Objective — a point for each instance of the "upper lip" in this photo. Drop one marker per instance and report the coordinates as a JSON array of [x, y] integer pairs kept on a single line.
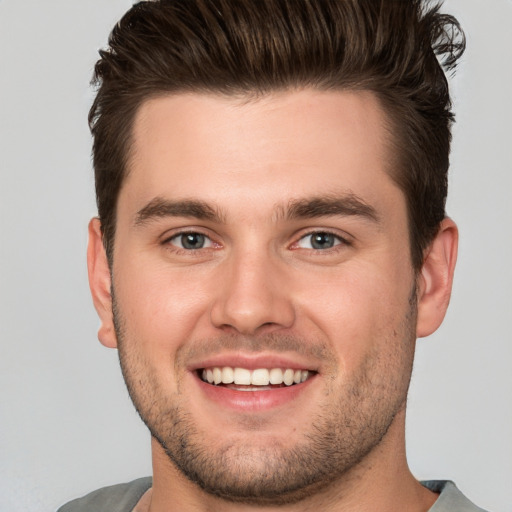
[[253, 361]]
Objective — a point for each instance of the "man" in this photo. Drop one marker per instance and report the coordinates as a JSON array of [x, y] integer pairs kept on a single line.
[[271, 240]]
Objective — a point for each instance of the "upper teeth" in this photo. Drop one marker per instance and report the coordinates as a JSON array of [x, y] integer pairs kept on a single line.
[[259, 377]]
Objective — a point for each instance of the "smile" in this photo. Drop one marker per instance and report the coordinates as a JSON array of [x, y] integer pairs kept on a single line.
[[258, 379]]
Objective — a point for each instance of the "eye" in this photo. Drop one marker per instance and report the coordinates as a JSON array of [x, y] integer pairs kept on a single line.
[[319, 240], [190, 241]]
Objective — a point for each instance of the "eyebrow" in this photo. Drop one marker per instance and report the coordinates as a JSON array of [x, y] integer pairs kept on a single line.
[[307, 208], [325, 206], [160, 208]]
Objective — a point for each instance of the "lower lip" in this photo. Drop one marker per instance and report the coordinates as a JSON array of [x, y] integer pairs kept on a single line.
[[253, 400]]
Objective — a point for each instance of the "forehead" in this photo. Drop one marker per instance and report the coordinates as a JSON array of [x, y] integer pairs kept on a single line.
[[268, 150]]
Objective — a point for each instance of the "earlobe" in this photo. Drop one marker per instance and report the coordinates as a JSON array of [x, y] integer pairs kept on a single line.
[[100, 284], [436, 278]]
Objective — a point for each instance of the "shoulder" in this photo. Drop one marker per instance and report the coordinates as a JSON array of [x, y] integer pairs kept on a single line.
[[115, 498], [450, 498]]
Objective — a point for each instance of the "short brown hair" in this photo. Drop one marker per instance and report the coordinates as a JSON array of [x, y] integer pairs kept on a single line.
[[389, 47]]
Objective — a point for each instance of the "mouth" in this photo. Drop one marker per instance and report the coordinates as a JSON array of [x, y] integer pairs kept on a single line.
[[260, 379]]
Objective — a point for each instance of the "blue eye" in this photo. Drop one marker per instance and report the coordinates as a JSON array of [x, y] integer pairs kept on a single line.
[[319, 240], [191, 241]]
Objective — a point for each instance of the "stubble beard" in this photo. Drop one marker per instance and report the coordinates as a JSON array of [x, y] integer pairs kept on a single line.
[[351, 422]]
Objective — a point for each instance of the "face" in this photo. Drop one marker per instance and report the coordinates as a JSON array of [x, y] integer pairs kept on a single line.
[[264, 298]]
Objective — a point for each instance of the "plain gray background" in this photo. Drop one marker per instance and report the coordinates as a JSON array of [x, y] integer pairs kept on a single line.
[[66, 423]]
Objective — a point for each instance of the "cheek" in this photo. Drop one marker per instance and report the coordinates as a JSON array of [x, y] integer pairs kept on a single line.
[[160, 309], [358, 310]]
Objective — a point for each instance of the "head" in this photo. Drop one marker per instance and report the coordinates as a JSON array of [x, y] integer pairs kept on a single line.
[[271, 179], [249, 49]]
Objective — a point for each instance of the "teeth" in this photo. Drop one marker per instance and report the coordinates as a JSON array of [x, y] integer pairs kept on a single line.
[[228, 375], [288, 377], [276, 376], [242, 376], [217, 375], [258, 377]]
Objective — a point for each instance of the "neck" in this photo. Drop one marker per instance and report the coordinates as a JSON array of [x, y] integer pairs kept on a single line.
[[382, 480]]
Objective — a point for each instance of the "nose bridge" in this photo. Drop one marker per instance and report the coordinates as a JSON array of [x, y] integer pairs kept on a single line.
[[253, 294]]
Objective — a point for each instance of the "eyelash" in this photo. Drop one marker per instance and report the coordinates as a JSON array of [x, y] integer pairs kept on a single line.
[[182, 250], [339, 241]]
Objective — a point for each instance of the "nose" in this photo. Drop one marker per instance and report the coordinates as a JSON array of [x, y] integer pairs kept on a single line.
[[253, 297]]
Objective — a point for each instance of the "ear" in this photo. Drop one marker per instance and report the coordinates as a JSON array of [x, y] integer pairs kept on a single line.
[[436, 278], [100, 283]]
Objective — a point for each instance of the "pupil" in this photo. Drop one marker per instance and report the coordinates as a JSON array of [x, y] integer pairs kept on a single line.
[[192, 241], [322, 241]]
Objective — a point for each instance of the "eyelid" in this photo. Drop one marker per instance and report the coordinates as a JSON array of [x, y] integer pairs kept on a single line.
[[168, 236], [207, 241], [344, 240]]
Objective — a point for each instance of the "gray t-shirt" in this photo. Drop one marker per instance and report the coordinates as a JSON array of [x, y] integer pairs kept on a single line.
[[450, 498], [124, 497]]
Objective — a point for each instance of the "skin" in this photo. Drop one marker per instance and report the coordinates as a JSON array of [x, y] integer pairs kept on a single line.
[[259, 289]]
